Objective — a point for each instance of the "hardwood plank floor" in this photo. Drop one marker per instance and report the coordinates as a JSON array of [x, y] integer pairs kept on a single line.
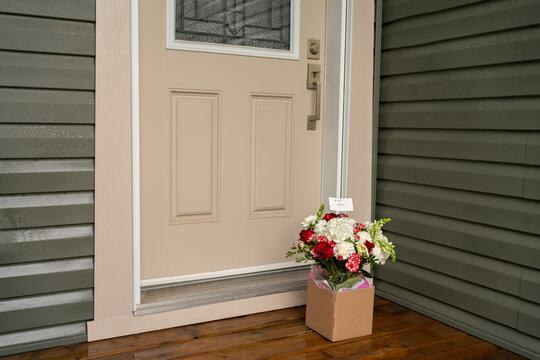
[[398, 333]]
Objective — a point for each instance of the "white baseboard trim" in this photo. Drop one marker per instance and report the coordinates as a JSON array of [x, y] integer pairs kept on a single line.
[[220, 274]]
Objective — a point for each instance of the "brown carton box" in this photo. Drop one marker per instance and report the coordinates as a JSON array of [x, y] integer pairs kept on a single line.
[[340, 316]]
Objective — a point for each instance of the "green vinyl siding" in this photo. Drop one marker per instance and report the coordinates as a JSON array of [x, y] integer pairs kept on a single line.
[[458, 163], [47, 50]]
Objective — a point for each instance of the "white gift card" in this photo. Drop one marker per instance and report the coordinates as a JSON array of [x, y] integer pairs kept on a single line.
[[340, 204]]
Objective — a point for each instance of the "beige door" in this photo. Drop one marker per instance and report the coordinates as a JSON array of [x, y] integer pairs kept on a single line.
[[228, 167]]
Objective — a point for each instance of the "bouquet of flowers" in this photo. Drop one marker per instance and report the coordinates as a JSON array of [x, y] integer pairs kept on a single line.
[[341, 246]]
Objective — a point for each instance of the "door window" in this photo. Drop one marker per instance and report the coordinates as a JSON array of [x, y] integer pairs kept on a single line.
[[265, 28]]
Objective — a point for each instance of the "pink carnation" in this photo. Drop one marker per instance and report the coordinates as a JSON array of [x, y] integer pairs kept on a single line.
[[353, 262]]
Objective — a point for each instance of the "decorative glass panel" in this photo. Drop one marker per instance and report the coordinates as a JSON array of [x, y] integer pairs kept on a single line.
[[255, 23]]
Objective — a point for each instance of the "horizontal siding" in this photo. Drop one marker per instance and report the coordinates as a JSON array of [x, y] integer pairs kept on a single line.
[[458, 164], [26, 245], [30, 70], [491, 16], [508, 213], [502, 179], [46, 106], [470, 114], [47, 68], [39, 338], [38, 176], [529, 318], [481, 327], [63, 9], [46, 141], [493, 81], [495, 146], [485, 302], [398, 9], [23, 33], [530, 285], [474, 268], [533, 149], [45, 310], [492, 241], [45, 277], [531, 183], [46, 210], [512, 46]]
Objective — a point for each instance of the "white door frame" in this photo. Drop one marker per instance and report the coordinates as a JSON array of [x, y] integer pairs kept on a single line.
[[335, 130], [339, 25]]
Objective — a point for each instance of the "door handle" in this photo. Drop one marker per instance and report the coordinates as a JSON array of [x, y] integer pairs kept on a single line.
[[314, 82]]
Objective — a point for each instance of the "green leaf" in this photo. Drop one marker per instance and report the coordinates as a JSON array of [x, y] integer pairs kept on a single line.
[[366, 274]]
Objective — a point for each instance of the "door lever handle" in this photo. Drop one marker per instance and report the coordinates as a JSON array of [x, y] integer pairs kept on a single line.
[[314, 82]]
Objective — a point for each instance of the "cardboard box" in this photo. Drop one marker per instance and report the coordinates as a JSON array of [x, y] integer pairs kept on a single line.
[[340, 316]]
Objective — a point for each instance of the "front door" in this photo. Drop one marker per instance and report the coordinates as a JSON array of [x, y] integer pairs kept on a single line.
[[228, 166]]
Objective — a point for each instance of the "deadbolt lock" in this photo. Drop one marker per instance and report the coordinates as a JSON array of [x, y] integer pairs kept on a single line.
[[314, 49]]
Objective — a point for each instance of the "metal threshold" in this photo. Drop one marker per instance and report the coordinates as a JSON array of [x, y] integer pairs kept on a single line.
[[183, 295]]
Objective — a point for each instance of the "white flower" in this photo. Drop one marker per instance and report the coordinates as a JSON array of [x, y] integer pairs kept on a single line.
[[310, 220], [381, 254], [320, 228], [364, 236], [340, 229], [344, 249]]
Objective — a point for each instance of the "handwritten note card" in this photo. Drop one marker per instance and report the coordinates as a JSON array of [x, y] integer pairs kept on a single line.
[[340, 204]]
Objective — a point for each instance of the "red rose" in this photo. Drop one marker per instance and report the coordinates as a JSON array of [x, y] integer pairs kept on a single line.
[[325, 239], [356, 230], [342, 215], [329, 216], [307, 236], [369, 245], [361, 226], [324, 250]]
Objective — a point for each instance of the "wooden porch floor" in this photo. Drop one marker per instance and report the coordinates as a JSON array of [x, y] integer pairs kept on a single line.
[[398, 333]]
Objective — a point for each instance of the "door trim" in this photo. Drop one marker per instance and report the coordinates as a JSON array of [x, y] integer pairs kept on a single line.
[[135, 154], [339, 25], [334, 179]]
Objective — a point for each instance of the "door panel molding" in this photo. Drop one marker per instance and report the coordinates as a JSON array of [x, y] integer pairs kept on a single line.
[[194, 141], [271, 187]]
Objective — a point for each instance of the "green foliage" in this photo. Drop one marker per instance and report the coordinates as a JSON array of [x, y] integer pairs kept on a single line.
[[377, 225], [320, 213]]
